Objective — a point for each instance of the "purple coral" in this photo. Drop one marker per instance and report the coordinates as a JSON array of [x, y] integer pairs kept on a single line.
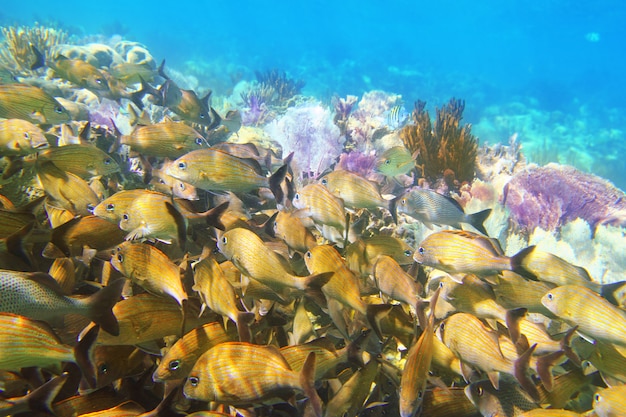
[[308, 131], [256, 111], [550, 196], [357, 162], [103, 114]]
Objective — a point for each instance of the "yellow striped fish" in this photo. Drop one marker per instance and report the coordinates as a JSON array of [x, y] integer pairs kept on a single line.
[[354, 190], [166, 139], [394, 161], [83, 160], [318, 203], [610, 402], [20, 137], [22, 101]]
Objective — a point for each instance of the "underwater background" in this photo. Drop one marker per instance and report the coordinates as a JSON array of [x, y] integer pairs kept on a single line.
[[550, 71]]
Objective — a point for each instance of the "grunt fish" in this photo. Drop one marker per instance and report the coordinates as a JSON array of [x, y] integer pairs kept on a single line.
[[181, 357], [355, 191], [430, 207], [39, 399], [593, 314], [510, 400], [472, 296], [455, 251], [22, 101], [362, 254], [76, 236], [449, 402], [394, 161], [149, 268], [86, 161], [284, 225], [610, 402], [39, 297], [150, 216], [240, 374], [20, 137], [79, 72], [354, 392], [188, 105], [69, 190], [166, 139], [318, 203], [392, 281]]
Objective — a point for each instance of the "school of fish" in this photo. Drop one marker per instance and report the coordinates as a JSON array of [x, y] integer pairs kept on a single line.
[[170, 271]]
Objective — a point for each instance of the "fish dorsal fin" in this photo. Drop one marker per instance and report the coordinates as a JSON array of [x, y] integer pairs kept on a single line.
[[45, 280], [454, 202], [494, 377]]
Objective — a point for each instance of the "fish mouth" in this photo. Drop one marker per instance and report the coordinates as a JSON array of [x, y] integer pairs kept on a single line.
[[42, 145]]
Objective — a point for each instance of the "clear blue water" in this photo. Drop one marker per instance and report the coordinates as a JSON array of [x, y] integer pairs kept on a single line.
[[563, 59]]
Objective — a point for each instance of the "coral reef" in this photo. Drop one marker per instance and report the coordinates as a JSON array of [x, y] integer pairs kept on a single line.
[[16, 52], [308, 131], [548, 197], [368, 122], [358, 162], [343, 108], [446, 149], [256, 101], [284, 87]]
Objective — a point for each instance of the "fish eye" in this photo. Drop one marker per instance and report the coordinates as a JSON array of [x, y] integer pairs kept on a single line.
[[420, 250], [90, 207], [325, 181], [26, 135], [202, 115], [182, 186], [174, 365], [182, 165], [120, 257], [408, 252], [107, 161], [550, 296], [59, 109], [442, 326], [479, 391], [224, 240], [98, 80], [199, 141], [403, 201], [308, 254], [125, 216], [387, 161], [441, 284], [103, 369], [297, 197], [110, 207], [194, 381], [597, 397]]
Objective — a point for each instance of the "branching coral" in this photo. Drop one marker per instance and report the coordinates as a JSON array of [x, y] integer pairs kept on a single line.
[[16, 52], [343, 108], [446, 149], [284, 87], [256, 101]]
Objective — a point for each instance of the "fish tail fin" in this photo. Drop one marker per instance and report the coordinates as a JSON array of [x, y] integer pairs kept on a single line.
[[520, 371], [83, 357], [40, 59], [608, 291], [517, 263], [478, 219], [545, 364], [15, 243], [213, 216], [313, 287], [375, 313], [356, 346], [161, 70], [101, 305], [512, 320], [244, 320], [181, 223], [307, 381], [41, 399], [277, 178], [393, 208]]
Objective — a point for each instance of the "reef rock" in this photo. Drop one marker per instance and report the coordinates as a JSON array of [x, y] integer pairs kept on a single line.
[[553, 195]]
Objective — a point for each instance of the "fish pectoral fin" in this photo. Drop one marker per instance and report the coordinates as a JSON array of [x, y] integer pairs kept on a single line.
[[138, 233], [466, 371], [494, 377]]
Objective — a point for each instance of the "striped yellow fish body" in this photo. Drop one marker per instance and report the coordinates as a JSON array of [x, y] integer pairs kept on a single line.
[[354, 190], [392, 281], [594, 315], [40, 398], [12, 221], [473, 296], [166, 139], [187, 105], [180, 358], [149, 268], [25, 342], [417, 367], [215, 170], [80, 72], [430, 208], [217, 293], [610, 402], [115, 362], [114, 207], [394, 161], [90, 232], [257, 260], [552, 269], [448, 401], [510, 400], [609, 359], [343, 286], [69, 190], [22, 101], [456, 251], [362, 254], [514, 291], [238, 373], [149, 216], [474, 343], [318, 203], [83, 160], [564, 387], [165, 183], [537, 334], [445, 360], [540, 412], [125, 409], [145, 317], [39, 297], [131, 73], [326, 357], [20, 137], [292, 231]]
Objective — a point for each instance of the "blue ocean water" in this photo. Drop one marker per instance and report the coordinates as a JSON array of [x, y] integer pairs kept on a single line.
[[550, 71]]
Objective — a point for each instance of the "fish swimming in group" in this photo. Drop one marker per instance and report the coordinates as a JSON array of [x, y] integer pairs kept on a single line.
[[20, 137], [26, 102]]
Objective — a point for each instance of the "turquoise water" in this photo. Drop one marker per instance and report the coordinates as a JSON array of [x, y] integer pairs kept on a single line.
[[551, 71]]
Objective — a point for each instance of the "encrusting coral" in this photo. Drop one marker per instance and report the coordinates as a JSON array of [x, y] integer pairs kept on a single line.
[[16, 52], [447, 149]]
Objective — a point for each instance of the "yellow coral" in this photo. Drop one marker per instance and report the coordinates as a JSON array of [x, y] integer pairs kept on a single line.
[[16, 52], [446, 150]]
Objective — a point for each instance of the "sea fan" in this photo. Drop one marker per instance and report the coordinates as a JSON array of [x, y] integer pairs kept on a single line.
[[310, 133]]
